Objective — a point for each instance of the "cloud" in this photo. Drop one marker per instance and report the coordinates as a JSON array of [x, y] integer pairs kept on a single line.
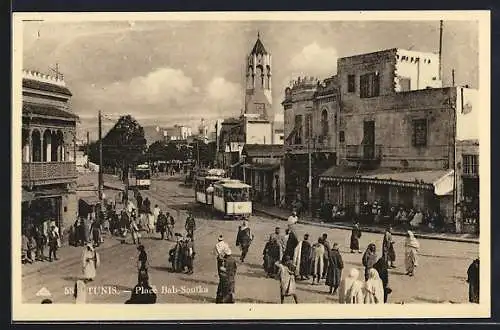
[[162, 85], [313, 60], [165, 96], [222, 92]]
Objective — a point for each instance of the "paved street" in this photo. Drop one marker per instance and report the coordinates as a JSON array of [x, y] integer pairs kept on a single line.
[[439, 278]]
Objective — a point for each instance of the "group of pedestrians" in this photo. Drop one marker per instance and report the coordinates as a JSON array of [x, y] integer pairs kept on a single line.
[[36, 239]]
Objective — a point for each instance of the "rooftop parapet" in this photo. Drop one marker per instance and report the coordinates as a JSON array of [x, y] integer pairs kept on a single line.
[[41, 77]]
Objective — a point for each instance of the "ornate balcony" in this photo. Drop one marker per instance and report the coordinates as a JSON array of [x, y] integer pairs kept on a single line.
[[41, 173], [365, 156], [363, 152]]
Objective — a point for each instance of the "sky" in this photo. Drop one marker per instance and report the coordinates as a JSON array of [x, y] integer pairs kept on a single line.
[[177, 72]]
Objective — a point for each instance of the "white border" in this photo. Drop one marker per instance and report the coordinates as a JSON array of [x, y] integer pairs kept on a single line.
[[108, 312]]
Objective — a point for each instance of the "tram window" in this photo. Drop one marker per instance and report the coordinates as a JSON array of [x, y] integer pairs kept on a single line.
[[236, 195], [199, 186], [244, 195], [142, 174]]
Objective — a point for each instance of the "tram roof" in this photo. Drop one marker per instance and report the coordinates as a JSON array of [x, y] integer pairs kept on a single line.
[[232, 184], [212, 177]]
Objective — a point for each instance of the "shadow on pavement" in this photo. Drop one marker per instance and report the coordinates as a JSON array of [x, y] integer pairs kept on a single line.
[[260, 275], [72, 278], [428, 300], [322, 289], [199, 281], [444, 257], [163, 269], [397, 272], [333, 298], [199, 298], [254, 266], [462, 278], [254, 301]]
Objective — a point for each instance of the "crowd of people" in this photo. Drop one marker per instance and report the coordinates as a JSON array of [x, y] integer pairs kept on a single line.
[[287, 257], [291, 260], [379, 212]]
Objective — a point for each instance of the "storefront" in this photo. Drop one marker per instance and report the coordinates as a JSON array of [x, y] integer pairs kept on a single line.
[[265, 182], [40, 209], [427, 191]]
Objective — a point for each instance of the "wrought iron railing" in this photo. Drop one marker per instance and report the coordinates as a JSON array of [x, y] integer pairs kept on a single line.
[[363, 152], [47, 172]]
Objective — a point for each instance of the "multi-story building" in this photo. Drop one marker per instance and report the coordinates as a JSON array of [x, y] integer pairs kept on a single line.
[[310, 126], [48, 152], [177, 132], [467, 161], [397, 133]]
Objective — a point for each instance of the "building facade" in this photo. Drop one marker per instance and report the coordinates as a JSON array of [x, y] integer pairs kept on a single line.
[[310, 126], [467, 160], [177, 132], [397, 133], [48, 152]]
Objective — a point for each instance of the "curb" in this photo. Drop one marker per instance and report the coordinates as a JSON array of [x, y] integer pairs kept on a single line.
[[371, 230]]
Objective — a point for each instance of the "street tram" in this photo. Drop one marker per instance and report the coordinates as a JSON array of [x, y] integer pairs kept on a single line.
[[203, 185], [232, 199], [143, 176]]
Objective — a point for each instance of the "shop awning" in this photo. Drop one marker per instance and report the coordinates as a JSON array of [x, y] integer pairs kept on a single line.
[[236, 164], [90, 200], [262, 167], [51, 192], [408, 178], [27, 196], [444, 185]]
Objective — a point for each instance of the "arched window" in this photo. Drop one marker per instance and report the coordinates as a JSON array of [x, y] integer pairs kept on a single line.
[[259, 78], [250, 78], [36, 147], [47, 146], [324, 123]]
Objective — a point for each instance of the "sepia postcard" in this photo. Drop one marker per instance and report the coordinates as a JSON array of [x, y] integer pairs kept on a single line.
[[329, 161]]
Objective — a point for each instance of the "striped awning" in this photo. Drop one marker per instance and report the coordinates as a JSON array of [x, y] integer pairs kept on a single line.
[[426, 179], [262, 167]]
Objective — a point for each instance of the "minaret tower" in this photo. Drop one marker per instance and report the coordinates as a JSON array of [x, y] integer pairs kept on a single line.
[[258, 97]]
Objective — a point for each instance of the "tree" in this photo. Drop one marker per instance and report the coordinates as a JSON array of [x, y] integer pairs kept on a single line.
[[157, 151], [124, 145], [204, 152]]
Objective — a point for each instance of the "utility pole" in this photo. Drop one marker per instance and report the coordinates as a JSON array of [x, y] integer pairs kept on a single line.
[[198, 152], [440, 45], [310, 167], [88, 149], [100, 158], [453, 77]]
